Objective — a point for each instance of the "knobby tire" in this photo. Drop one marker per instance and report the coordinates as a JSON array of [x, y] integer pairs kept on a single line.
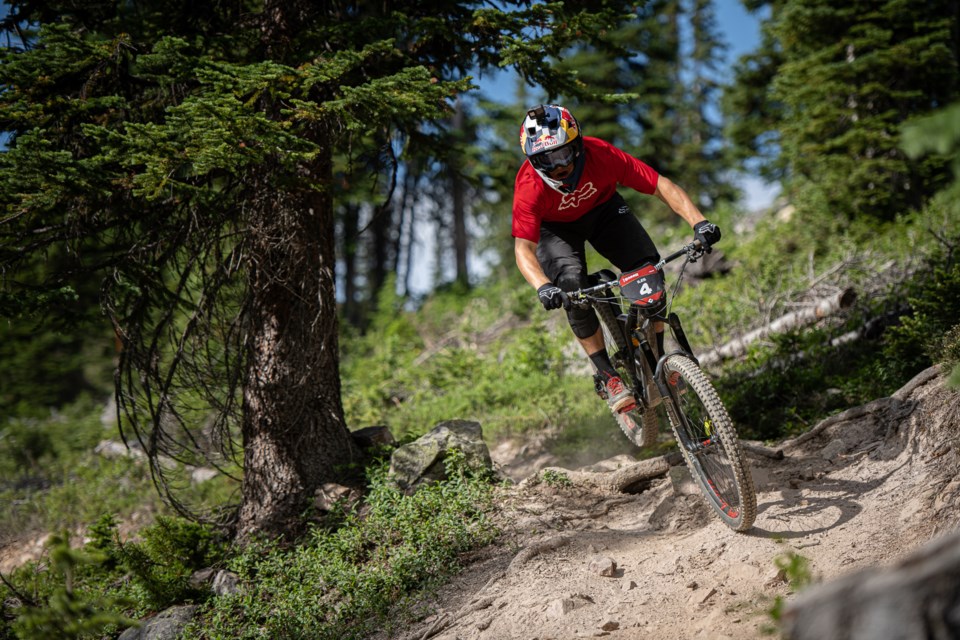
[[709, 443], [640, 426]]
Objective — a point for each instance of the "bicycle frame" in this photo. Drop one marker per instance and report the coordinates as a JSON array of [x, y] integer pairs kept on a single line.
[[639, 358], [706, 436]]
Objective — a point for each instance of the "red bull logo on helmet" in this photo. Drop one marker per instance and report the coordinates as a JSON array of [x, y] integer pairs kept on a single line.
[[555, 126]]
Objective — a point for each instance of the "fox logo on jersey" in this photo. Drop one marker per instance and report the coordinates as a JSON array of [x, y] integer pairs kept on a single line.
[[573, 200]]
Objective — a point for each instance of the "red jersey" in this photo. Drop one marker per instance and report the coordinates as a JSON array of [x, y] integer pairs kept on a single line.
[[605, 167]]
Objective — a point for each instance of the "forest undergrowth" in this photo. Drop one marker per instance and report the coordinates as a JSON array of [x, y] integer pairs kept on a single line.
[[489, 355]]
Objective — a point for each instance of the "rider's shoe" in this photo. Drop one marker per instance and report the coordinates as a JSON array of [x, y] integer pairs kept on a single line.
[[676, 381], [619, 397]]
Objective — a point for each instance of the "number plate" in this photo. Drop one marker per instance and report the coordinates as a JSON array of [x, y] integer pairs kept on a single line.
[[643, 287]]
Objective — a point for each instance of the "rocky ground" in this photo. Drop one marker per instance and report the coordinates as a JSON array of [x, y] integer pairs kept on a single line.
[[861, 489]]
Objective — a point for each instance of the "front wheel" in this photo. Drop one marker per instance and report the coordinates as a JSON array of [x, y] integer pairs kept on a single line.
[[709, 443]]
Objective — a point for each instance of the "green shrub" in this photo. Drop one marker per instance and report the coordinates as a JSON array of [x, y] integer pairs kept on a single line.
[[69, 600], [162, 563], [797, 572], [918, 341], [784, 389], [342, 583], [949, 352]]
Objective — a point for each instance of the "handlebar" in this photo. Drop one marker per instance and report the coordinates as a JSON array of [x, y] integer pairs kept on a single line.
[[693, 251]]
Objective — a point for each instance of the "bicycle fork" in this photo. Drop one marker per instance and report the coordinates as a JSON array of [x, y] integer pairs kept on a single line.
[[654, 384]]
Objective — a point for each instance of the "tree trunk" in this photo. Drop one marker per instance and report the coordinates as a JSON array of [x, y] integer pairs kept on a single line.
[[460, 242], [351, 223], [293, 427]]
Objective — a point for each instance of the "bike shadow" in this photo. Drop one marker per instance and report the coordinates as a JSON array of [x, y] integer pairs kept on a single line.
[[818, 507]]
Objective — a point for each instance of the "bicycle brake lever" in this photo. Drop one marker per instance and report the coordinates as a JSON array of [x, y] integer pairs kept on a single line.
[[695, 251]]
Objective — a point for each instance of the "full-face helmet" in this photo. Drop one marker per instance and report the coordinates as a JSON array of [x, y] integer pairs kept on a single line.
[[551, 139]]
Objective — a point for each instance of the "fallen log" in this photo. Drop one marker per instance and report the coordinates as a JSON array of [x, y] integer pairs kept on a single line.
[[803, 317]]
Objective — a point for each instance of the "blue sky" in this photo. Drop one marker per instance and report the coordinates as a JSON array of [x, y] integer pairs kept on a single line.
[[740, 29]]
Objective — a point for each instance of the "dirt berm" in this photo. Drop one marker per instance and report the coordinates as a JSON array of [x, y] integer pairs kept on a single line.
[[861, 489]]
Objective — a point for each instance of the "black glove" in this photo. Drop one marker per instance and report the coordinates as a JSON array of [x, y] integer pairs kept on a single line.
[[707, 233], [551, 297]]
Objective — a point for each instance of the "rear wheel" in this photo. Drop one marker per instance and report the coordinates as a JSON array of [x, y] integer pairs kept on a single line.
[[641, 426], [709, 443]]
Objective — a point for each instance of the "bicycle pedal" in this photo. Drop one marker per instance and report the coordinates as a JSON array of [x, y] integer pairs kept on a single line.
[[675, 380]]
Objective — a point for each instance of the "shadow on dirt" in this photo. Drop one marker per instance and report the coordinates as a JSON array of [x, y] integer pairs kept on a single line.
[[819, 507]]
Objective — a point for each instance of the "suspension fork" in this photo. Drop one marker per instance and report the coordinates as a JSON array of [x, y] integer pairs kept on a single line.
[[680, 336]]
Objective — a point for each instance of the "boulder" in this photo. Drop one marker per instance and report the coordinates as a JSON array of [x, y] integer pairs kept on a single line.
[[372, 437], [166, 625], [915, 598], [423, 459]]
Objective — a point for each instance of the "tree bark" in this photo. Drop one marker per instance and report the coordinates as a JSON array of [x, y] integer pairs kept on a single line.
[[458, 195], [293, 428]]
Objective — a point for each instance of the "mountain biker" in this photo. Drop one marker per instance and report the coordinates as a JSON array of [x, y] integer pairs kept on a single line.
[[565, 195]]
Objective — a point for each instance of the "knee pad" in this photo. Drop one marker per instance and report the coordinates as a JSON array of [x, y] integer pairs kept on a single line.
[[584, 322]]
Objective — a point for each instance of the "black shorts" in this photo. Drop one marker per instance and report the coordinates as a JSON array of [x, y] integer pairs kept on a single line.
[[611, 229]]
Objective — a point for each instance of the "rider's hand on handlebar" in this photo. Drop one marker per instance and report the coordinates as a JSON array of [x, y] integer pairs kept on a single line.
[[707, 233], [552, 297]]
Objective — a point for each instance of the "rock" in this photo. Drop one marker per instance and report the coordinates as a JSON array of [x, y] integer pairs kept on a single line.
[[628, 585], [372, 436], [330, 493], [560, 607], [775, 578], [833, 450], [202, 579], [610, 625], [201, 474], [422, 460], [219, 581], [226, 583], [166, 625], [709, 594], [114, 449], [603, 566]]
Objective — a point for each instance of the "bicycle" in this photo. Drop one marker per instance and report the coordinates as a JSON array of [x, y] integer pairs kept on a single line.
[[706, 436]]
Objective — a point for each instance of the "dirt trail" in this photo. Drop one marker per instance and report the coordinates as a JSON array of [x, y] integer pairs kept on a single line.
[[861, 489]]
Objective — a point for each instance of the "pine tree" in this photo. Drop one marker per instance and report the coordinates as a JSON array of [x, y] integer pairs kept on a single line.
[[842, 78], [185, 155]]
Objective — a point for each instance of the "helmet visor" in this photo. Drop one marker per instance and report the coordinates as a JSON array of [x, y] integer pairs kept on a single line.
[[554, 159]]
